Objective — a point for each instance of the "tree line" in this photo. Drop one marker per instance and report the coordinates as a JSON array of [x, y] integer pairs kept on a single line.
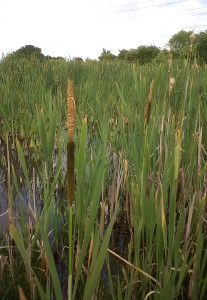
[[184, 44]]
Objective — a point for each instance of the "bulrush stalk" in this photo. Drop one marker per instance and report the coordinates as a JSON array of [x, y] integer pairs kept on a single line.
[[149, 102], [70, 175], [71, 145]]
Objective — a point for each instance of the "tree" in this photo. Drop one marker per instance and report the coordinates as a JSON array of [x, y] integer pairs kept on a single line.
[[202, 46], [143, 54], [180, 41], [107, 55], [146, 54], [132, 56], [91, 61], [162, 56], [78, 59], [29, 51], [123, 54], [188, 44]]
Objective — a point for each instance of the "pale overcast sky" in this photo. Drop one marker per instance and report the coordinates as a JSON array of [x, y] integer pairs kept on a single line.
[[82, 28]]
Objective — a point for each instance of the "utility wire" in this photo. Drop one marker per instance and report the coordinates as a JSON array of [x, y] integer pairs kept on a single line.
[[138, 9], [192, 8], [199, 14], [156, 5], [128, 4], [181, 28], [141, 17], [171, 34], [144, 17], [188, 27], [144, 7], [195, 26]]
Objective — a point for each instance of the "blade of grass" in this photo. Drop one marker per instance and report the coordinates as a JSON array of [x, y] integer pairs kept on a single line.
[[23, 251], [96, 271]]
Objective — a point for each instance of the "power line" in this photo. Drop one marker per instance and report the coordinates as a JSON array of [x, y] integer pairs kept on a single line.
[[199, 14], [128, 4], [123, 5], [195, 26], [158, 5], [137, 18], [188, 27], [144, 7], [184, 10], [182, 28], [193, 8], [144, 17], [137, 9]]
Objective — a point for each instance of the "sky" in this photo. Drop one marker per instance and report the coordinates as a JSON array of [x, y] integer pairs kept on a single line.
[[82, 28]]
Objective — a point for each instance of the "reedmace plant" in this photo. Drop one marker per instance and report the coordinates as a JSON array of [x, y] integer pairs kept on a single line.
[[106, 201], [70, 176]]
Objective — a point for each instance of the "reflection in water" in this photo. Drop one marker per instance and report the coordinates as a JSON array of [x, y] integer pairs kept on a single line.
[[23, 203]]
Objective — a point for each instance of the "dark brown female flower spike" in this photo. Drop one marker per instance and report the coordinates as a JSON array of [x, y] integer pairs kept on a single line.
[[149, 102]]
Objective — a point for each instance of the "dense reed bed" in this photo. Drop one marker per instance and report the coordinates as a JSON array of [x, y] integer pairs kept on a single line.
[[137, 225]]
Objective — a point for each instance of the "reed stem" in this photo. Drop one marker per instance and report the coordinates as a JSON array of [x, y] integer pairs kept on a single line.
[[70, 178]]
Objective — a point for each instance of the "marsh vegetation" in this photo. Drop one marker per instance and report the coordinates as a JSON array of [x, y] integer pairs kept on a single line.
[[139, 209]]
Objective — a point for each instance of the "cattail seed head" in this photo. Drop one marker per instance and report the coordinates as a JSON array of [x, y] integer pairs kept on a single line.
[[125, 170], [170, 60], [149, 101], [192, 38], [171, 83], [195, 64]]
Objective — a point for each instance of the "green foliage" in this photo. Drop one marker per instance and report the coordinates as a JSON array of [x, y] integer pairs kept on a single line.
[[90, 61], [202, 47], [27, 259], [186, 44], [144, 54], [123, 54], [181, 46], [154, 175], [78, 59], [29, 51], [180, 41], [141, 55], [107, 55], [161, 57], [132, 56]]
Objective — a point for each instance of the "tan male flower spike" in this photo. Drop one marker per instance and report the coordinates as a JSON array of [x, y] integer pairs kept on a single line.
[[71, 111]]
